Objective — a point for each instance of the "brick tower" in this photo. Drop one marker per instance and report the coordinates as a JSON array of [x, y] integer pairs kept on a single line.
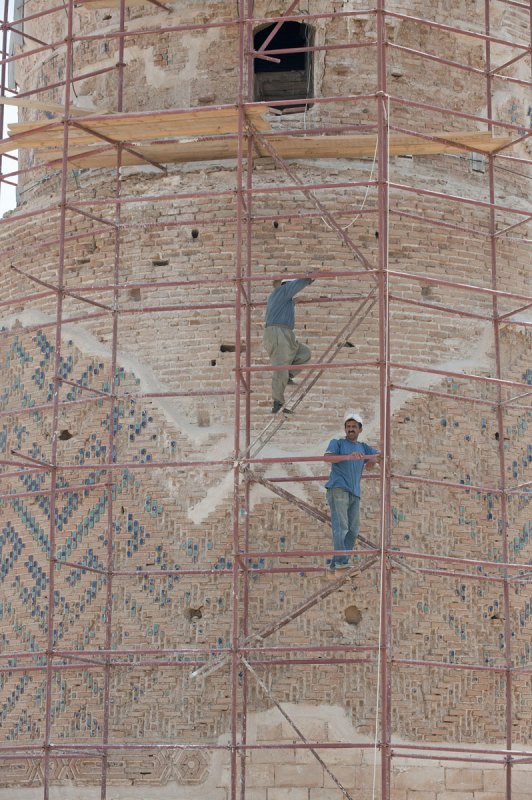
[[170, 626]]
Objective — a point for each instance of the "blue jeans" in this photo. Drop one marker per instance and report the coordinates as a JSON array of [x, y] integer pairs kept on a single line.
[[345, 518]]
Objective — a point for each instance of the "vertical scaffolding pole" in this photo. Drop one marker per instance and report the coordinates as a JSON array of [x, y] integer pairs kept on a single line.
[[499, 413], [245, 383], [384, 683], [113, 418], [50, 647], [239, 565]]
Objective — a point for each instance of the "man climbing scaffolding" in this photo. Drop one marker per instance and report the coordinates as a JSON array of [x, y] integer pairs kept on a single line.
[[279, 339]]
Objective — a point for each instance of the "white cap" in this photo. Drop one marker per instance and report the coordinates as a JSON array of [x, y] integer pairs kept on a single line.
[[352, 415], [288, 280]]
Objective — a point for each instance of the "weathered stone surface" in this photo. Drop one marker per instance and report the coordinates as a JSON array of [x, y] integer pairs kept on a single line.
[[176, 227]]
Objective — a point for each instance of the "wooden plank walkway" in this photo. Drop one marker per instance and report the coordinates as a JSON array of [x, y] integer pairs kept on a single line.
[[205, 134]]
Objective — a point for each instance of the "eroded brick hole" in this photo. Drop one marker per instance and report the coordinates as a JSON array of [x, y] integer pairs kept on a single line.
[[352, 615], [193, 613]]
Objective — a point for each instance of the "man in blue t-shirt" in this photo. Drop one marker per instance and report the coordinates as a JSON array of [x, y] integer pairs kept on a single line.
[[279, 338], [343, 486]]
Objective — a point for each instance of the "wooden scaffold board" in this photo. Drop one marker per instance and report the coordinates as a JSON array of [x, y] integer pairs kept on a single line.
[[205, 134]]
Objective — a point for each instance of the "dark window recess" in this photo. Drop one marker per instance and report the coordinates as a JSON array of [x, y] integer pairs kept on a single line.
[[292, 78]]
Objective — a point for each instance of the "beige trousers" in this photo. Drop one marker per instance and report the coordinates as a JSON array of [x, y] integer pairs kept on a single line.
[[283, 349]]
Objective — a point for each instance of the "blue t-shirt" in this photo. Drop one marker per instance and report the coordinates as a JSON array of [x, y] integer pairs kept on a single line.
[[346, 474], [280, 309]]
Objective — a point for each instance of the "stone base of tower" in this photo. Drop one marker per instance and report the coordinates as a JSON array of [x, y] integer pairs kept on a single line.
[[344, 764]]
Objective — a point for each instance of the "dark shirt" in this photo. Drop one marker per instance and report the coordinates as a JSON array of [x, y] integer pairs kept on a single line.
[[281, 309]]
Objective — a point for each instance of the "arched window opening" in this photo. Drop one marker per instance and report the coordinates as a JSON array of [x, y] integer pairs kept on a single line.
[[292, 77]]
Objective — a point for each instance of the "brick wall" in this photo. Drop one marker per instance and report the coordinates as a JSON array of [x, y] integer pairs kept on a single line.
[[181, 519]]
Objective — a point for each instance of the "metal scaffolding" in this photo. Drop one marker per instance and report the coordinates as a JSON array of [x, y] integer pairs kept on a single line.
[[246, 136]]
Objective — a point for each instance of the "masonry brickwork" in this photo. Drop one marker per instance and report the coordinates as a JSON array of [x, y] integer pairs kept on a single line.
[[181, 519]]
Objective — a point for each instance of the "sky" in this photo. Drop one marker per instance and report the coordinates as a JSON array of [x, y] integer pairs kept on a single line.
[[7, 192]]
